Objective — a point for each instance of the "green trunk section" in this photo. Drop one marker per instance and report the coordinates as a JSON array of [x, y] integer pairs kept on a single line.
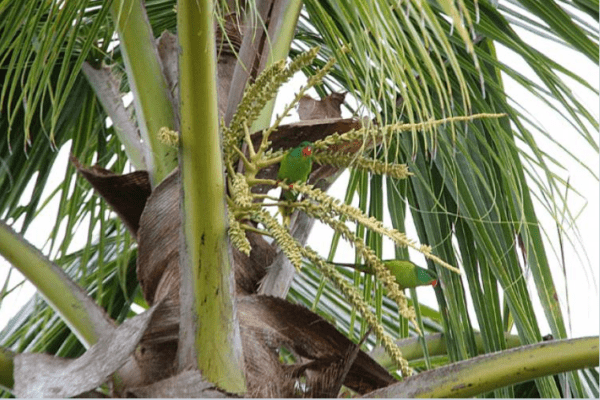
[[153, 108], [68, 300], [493, 371], [281, 35], [436, 345], [209, 332], [7, 381]]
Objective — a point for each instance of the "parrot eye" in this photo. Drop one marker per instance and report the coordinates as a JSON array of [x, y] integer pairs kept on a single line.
[[307, 151], [434, 283]]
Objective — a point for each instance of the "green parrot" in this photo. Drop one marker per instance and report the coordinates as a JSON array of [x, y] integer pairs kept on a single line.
[[407, 274], [294, 167]]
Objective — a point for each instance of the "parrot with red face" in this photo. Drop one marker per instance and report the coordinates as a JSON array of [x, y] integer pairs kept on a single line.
[[407, 274], [295, 166]]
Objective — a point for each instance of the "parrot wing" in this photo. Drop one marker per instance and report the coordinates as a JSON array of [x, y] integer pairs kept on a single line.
[[406, 273]]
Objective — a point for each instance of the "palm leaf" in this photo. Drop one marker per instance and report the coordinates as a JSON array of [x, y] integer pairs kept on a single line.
[[461, 191]]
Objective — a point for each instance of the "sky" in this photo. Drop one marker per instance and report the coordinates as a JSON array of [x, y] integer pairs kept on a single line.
[[582, 259]]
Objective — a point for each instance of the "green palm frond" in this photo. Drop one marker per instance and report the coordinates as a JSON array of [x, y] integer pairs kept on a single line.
[[38, 36], [464, 173]]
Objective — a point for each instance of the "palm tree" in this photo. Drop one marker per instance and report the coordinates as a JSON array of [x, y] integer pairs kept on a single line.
[[194, 288]]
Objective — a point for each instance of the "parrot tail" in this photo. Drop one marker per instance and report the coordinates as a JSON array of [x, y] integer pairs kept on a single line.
[[358, 267], [286, 213]]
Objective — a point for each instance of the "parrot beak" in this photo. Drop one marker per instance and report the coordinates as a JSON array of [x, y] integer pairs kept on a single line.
[[434, 283], [307, 151]]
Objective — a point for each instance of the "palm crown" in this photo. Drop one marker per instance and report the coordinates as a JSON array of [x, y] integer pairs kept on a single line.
[[473, 187]]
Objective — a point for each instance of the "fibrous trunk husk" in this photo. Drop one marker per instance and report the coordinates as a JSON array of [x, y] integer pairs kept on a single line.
[[324, 357]]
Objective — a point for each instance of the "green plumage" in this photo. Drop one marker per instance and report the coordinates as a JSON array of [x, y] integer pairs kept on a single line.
[[407, 274], [295, 167]]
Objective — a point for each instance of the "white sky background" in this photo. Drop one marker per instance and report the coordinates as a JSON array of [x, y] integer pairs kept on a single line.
[[582, 262]]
